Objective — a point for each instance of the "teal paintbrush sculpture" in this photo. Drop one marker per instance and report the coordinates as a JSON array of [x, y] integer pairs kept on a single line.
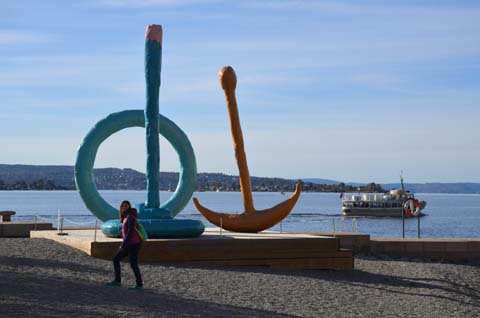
[[153, 66], [157, 219]]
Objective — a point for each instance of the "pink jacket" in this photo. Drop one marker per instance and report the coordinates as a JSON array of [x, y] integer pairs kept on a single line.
[[129, 234]]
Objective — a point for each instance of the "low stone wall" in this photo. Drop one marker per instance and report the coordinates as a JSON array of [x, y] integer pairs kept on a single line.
[[453, 249], [22, 229], [449, 249], [359, 243]]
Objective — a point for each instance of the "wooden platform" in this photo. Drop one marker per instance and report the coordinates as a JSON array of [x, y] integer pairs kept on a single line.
[[280, 251]]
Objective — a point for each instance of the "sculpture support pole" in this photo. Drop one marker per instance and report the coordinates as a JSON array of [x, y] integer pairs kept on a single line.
[[153, 64], [228, 81]]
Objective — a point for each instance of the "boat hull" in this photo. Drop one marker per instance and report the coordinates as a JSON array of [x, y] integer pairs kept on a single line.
[[388, 212]]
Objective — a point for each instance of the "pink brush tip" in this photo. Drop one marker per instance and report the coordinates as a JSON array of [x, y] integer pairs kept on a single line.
[[154, 32]]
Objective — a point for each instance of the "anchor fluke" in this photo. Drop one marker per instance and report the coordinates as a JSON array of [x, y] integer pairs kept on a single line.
[[251, 222]]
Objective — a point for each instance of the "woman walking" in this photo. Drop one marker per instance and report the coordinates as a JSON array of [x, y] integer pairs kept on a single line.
[[130, 247]]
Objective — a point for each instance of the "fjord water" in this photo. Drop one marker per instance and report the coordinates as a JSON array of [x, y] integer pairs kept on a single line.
[[448, 215]]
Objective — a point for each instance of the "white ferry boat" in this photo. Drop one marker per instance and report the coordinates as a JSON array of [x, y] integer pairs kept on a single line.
[[391, 203]]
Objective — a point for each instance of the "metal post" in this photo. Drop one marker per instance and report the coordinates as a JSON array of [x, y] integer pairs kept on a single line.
[[95, 235], [333, 219], [281, 226], [58, 220], [418, 226], [221, 227], [60, 224], [35, 225]]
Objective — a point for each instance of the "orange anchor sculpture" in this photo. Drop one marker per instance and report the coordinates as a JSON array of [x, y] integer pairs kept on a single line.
[[250, 220]]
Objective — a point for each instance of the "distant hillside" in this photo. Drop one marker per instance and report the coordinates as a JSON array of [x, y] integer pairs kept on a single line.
[[436, 187], [63, 177], [29, 177], [461, 187], [321, 181]]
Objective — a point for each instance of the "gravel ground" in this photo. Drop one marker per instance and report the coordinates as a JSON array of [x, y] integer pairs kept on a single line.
[[41, 278]]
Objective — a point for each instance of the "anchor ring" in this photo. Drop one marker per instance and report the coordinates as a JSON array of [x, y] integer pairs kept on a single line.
[[113, 123]]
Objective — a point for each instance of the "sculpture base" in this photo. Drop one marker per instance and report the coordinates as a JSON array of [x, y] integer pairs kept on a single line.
[[159, 228], [152, 213]]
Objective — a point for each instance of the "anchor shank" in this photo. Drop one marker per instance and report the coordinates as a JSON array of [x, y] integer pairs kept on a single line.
[[228, 81], [153, 63]]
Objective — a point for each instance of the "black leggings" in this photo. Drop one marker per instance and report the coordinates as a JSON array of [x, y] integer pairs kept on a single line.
[[132, 252]]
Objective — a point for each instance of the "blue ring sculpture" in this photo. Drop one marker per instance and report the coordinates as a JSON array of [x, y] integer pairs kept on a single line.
[[114, 123], [104, 211], [157, 219]]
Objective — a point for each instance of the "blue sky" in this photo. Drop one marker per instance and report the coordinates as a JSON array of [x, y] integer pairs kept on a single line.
[[345, 90]]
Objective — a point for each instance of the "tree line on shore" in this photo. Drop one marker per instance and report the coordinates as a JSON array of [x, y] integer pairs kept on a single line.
[[213, 185], [29, 177], [35, 185], [33, 177]]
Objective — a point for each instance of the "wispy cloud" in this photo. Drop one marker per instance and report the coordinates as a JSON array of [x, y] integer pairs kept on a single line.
[[325, 6], [365, 7], [9, 37], [149, 3], [64, 69], [382, 81]]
